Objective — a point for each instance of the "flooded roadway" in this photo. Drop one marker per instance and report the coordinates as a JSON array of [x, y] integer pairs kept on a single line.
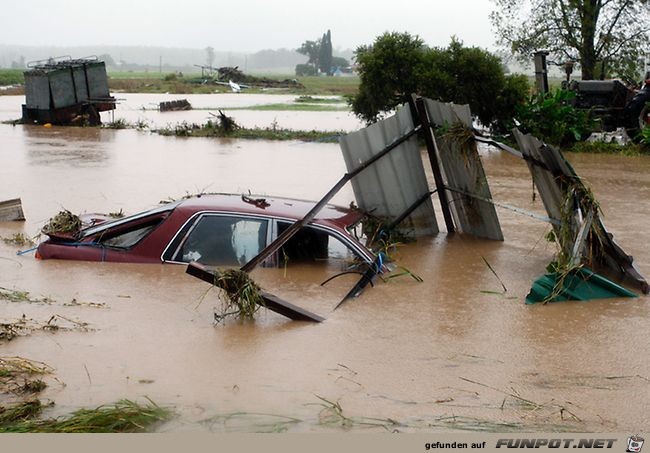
[[446, 354]]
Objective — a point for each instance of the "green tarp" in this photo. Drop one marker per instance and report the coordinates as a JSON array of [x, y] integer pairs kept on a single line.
[[580, 284]]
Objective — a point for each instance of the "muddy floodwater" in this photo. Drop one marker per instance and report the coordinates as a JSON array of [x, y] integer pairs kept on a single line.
[[453, 352]]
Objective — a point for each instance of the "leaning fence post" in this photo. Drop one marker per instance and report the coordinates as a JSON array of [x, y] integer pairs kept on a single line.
[[425, 124]]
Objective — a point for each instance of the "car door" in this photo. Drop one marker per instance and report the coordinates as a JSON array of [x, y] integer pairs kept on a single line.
[[215, 239]]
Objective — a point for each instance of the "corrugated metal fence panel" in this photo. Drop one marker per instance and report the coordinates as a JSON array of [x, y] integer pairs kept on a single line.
[[37, 91], [396, 181], [447, 113], [80, 84], [63, 94], [463, 170], [97, 80], [548, 187]]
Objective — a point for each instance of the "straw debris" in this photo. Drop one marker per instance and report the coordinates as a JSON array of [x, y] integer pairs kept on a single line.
[[13, 295], [18, 239], [242, 295], [24, 326], [17, 375], [63, 222]]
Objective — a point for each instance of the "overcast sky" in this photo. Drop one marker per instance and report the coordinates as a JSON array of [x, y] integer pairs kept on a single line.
[[243, 25]]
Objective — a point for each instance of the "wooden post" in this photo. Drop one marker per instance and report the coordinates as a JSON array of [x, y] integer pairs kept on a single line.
[[425, 126]]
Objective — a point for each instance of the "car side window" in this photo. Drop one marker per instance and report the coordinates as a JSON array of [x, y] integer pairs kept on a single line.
[[311, 244], [218, 240]]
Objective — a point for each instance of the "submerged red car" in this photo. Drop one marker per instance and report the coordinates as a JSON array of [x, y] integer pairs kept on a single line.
[[214, 230]]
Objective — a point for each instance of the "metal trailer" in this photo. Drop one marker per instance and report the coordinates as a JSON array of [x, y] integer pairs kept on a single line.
[[65, 91]]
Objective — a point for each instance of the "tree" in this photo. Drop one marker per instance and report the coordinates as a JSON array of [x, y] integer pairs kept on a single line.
[[312, 50], [319, 52], [325, 54], [398, 64], [388, 73], [340, 62], [595, 33]]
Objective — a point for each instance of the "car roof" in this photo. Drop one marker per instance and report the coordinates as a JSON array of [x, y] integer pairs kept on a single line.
[[276, 207], [270, 206]]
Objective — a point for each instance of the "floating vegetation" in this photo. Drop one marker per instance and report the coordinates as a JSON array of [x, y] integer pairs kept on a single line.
[[18, 239], [120, 123], [13, 295], [116, 215], [24, 326], [125, 416], [332, 414], [75, 303], [17, 375], [63, 222], [242, 295]]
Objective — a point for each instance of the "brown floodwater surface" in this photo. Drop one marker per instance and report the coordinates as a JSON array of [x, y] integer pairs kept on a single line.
[[453, 352]]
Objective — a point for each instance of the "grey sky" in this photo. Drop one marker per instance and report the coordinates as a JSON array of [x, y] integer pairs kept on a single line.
[[244, 25]]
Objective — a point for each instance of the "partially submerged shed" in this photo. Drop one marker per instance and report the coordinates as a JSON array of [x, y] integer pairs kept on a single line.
[[66, 91]]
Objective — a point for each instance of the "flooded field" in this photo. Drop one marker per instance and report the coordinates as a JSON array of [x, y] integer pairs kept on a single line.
[[447, 354], [142, 108]]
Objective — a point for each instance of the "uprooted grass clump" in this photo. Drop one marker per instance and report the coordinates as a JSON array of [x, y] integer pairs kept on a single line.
[[242, 295], [63, 222], [125, 416]]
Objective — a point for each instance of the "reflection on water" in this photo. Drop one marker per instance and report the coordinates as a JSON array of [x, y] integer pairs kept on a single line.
[[413, 352], [84, 146]]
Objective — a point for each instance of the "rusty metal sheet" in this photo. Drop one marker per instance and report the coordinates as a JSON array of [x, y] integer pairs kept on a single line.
[[390, 186], [463, 172]]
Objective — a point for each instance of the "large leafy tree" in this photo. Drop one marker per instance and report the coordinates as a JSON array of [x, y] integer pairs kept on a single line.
[[312, 50], [319, 52], [600, 35], [398, 64], [388, 71]]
